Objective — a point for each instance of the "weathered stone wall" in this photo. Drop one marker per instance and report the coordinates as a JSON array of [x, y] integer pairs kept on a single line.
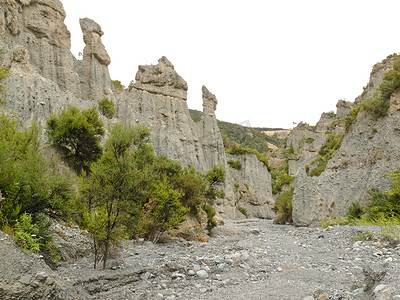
[[368, 151], [46, 78]]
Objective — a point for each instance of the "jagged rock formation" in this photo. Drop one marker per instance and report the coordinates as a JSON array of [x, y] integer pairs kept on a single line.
[[367, 152], [45, 78]]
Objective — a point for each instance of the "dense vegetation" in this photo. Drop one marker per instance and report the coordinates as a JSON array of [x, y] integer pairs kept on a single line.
[[247, 137], [122, 189]]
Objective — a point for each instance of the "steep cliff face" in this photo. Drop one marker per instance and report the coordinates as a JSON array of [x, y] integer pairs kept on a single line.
[[369, 150], [248, 187], [45, 78]]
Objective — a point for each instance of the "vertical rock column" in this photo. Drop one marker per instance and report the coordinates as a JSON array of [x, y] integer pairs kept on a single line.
[[94, 73], [211, 140]]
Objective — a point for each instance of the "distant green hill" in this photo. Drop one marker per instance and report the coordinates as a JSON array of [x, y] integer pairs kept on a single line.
[[247, 137]]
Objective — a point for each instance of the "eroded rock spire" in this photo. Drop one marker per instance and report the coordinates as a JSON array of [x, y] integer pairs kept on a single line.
[[161, 79]]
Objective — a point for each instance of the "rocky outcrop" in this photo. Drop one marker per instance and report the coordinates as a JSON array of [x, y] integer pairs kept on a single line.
[[46, 78], [247, 187], [28, 277], [367, 152], [161, 79], [93, 69]]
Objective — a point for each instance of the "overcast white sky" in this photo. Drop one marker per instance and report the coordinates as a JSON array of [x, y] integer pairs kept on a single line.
[[270, 62]]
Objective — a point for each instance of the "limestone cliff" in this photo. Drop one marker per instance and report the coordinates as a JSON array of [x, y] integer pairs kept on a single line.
[[369, 150], [45, 78]]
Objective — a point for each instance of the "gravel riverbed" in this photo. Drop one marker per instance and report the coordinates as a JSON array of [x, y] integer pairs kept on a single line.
[[248, 259]]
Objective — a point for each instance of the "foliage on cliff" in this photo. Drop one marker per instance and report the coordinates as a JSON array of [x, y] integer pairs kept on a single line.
[[247, 137]]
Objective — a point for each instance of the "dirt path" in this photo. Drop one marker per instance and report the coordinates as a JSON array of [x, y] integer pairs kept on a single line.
[[251, 259]]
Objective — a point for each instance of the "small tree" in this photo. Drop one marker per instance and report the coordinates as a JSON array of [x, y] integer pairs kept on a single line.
[[115, 184], [77, 135]]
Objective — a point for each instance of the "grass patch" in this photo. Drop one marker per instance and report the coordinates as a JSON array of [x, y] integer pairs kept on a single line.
[[243, 211]]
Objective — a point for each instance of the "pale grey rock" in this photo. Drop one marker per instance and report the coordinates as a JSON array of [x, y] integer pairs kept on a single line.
[[92, 37], [93, 69], [161, 79], [45, 78], [367, 152], [17, 278], [253, 193], [202, 274]]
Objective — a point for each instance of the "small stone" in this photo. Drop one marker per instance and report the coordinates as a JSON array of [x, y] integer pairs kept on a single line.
[[41, 276], [389, 259], [145, 276], [396, 297], [26, 279], [255, 231], [224, 267], [196, 267], [379, 288], [202, 274], [279, 269], [191, 272], [308, 298], [358, 291]]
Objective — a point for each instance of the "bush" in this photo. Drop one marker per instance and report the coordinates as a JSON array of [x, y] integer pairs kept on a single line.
[[29, 182], [24, 234], [280, 177], [243, 210], [283, 207], [355, 211], [377, 106], [106, 108], [77, 135], [351, 117], [210, 211], [325, 154], [117, 84], [235, 164], [193, 185], [4, 73]]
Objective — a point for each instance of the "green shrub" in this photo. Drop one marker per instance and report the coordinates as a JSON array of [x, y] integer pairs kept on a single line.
[[377, 106], [130, 86], [351, 117], [243, 210], [29, 182], [24, 234], [309, 140], [318, 169], [325, 154], [106, 108], [355, 211], [4, 73], [117, 84], [382, 205], [193, 184], [237, 185], [280, 177], [77, 135], [235, 164], [291, 149], [283, 207], [210, 211], [246, 186]]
